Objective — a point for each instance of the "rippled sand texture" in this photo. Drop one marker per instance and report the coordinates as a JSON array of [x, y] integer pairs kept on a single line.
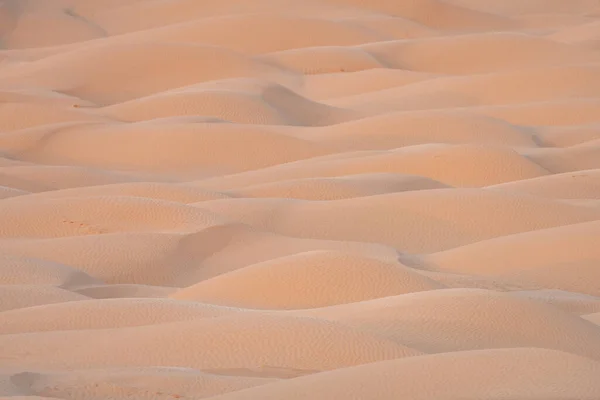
[[316, 200]]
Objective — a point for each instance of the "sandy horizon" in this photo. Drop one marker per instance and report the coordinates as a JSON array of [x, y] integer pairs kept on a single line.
[[322, 199]]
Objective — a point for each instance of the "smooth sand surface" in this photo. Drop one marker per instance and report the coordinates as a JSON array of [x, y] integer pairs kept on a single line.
[[280, 199]]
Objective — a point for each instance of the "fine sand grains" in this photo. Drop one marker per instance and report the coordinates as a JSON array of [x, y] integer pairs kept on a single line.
[[282, 199]]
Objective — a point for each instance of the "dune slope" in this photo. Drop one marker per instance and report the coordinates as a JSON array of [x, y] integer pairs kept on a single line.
[[282, 199]]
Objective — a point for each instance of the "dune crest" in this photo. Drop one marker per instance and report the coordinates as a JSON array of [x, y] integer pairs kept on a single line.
[[282, 199]]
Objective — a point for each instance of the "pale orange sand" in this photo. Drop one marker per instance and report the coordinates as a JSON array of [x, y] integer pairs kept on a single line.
[[282, 199]]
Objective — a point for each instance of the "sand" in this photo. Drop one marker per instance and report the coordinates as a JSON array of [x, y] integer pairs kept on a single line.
[[322, 199]]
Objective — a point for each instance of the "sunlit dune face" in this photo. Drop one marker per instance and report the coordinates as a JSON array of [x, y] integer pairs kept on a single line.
[[279, 199]]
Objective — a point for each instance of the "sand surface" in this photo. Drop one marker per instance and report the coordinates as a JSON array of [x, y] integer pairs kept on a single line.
[[300, 200]]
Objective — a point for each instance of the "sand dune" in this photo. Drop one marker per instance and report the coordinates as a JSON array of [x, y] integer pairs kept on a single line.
[[567, 136], [465, 53], [324, 60], [316, 199], [468, 319], [493, 88], [253, 33], [47, 179], [564, 112], [173, 259], [20, 296], [235, 342], [343, 187], [594, 318], [575, 185], [558, 258], [124, 290], [6, 192], [84, 75], [476, 374], [21, 115], [205, 149], [400, 129], [158, 382], [572, 302], [333, 85], [173, 192], [308, 280], [512, 7], [99, 215], [575, 158], [421, 214], [105, 314], [578, 34], [241, 101], [31, 271], [467, 165]]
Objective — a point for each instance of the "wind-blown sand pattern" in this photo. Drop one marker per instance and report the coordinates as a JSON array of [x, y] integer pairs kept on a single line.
[[282, 199]]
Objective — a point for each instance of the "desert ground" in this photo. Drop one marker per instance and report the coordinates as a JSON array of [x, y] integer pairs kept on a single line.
[[300, 200]]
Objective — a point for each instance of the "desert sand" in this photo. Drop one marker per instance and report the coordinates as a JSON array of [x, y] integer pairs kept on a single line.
[[300, 200]]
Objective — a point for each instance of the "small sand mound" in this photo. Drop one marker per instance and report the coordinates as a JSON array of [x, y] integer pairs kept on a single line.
[[143, 383], [124, 290], [66, 27], [251, 33], [558, 258], [324, 60], [105, 314], [343, 187], [29, 271], [16, 116], [169, 149], [23, 296], [572, 302], [476, 374], [468, 319], [308, 280], [53, 218], [236, 342], [593, 318], [434, 13], [400, 129], [43, 179], [420, 213], [574, 185], [452, 165], [179, 193], [283, 199], [6, 192], [476, 53], [244, 102], [89, 73]]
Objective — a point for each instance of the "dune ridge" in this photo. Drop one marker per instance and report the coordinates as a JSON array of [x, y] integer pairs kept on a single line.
[[281, 199]]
